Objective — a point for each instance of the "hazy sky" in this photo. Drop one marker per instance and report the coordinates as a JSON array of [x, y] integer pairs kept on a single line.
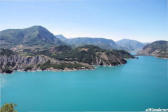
[[143, 20]]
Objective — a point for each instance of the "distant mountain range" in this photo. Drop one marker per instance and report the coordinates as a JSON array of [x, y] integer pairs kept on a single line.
[[125, 44], [157, 48], [39, 37], [80, 41], [130, 45]]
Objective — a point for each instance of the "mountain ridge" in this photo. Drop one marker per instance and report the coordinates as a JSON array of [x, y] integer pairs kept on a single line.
[[60, 58], [39, 36], [156, 48], [130, 45], [32, 36], [98, 41]]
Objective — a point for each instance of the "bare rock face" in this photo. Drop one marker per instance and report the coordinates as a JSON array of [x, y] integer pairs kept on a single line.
[[111, 60], [17, 62], [10, 61], [28, 63]]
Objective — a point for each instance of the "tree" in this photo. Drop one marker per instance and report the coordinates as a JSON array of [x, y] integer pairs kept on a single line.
[[8, 108]]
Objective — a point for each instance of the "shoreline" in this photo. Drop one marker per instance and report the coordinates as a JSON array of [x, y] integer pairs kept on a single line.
[[153, 56], [54, 70], [65, 70]]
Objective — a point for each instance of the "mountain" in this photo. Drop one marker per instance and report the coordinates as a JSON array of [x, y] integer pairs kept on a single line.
[[90, 54], [35, 36], [130, 45], [60, 58], [35, 48], [61, 37], [157, 48], [81, 41], [11, 61]]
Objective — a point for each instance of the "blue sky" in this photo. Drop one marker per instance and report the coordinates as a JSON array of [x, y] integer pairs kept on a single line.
[[143, 20]]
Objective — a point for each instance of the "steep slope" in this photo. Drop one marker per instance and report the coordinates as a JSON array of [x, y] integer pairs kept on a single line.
[[90, 54], [30, 37], [157, 48], [11, 61], [35, 48], [81, 41], [130, 45], [60, 58]]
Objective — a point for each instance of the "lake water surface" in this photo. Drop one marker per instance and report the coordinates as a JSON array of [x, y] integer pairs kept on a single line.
[[141, 83]]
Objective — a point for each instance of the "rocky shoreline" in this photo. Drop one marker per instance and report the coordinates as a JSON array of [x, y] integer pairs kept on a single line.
[[7, 67], [59, 70], [52, 70], [83, 58]]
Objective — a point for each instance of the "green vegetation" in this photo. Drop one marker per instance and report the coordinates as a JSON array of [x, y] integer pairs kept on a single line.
[[32, 37], [101, 42], [7, 69], [6, 52], [8, 108], [130, 45], [60, 57], [157, 48], [82, 54], [119, 53], [162, 45], [28, 68], [61, 66], [86, 54]]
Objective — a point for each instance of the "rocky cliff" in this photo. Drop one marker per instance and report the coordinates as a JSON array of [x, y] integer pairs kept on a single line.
[[10, 61], [17, 62]]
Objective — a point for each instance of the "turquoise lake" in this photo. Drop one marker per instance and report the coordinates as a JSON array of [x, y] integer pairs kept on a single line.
[[140, 84]]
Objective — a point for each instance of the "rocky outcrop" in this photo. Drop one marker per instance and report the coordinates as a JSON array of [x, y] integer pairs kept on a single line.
[[103, 58], [60, 58], [89, 54], [157, 48], [17, 62], [10, 62]]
